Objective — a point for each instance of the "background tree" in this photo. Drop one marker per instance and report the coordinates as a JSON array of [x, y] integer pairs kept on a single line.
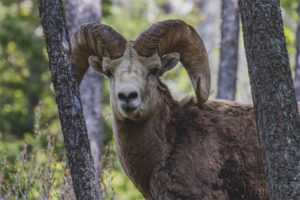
[[273, 94], [297, 60], [79, 12], [76, 140], [208, 27], [229, 50]]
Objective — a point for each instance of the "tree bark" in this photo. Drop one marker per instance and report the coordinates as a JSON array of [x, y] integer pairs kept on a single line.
[[273, 95], [229, 50], [79, 12], [73, 126], [297, 67]]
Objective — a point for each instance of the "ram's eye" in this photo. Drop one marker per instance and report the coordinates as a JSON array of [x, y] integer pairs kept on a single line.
[[107, 73], [154, 70]]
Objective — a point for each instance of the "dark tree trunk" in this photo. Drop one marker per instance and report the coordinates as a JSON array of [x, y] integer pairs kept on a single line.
[[273, 96], [229, 50], [79, 12], [297, 67], [73, 126]]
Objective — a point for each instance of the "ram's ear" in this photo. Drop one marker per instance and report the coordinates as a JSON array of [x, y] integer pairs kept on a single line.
[[168, 61], [95, 63]]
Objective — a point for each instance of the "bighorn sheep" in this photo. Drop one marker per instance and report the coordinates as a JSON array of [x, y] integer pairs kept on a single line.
[[169, 149]]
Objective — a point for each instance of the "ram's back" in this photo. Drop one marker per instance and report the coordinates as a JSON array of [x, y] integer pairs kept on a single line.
[[217, 149]]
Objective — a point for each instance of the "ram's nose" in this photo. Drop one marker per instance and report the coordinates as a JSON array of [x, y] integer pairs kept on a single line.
[[128, 98]]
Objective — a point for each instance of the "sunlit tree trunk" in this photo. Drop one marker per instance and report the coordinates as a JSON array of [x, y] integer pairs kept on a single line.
[[229, 50], [297, 67], [208, 28], [79, 12], [273, 95], [76, 141]]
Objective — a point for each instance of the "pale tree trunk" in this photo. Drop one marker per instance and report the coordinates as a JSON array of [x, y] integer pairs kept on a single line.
[[209, 30], [297, 67], [76, 141], [79, 12], [273, 95], [208, 27], [229, 50], [178, 7]]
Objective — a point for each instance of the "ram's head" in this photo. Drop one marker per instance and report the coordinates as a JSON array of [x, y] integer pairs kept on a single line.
[[134, 67]]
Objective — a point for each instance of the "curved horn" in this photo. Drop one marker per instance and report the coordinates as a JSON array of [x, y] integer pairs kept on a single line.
[[177, 36], [95, 39]]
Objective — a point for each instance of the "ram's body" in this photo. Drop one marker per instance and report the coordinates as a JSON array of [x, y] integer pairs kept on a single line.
[[186, 150], [193, 149]]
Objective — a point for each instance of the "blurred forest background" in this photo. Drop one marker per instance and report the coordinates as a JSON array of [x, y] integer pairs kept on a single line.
[[32, 157]]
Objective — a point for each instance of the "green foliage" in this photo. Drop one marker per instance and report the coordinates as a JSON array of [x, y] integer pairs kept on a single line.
[[37, 172], [106, 173], [132, 17], [290, 7], [24, 74], [106, 4], [290, 18]]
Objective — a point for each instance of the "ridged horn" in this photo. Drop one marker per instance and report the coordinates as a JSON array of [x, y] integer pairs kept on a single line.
[[98, 40], [177, 36]]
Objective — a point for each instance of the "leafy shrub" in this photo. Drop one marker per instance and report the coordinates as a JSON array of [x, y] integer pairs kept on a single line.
[[39, 173]]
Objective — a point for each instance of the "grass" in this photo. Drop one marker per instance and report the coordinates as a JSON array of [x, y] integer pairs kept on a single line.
[[39, 173], [36, 169]]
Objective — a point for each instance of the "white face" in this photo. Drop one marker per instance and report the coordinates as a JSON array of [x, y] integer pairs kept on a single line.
[[134, 81]]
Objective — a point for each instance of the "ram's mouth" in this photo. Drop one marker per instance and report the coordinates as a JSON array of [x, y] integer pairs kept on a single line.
[[129, 110]]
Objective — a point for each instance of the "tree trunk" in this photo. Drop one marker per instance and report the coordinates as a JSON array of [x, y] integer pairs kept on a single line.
[[207, 28], [79, 12], [297, 67], [229, 50], [209, 31], [73, 126], [273, 95]]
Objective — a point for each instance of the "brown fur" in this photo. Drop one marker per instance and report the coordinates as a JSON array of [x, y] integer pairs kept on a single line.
[[190, 151], [170, 149]]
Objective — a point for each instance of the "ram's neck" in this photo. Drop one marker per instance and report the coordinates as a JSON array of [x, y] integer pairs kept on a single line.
[[143, 147]]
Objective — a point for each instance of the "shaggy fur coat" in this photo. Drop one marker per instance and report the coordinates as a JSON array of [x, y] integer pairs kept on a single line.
[[190, 151]]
